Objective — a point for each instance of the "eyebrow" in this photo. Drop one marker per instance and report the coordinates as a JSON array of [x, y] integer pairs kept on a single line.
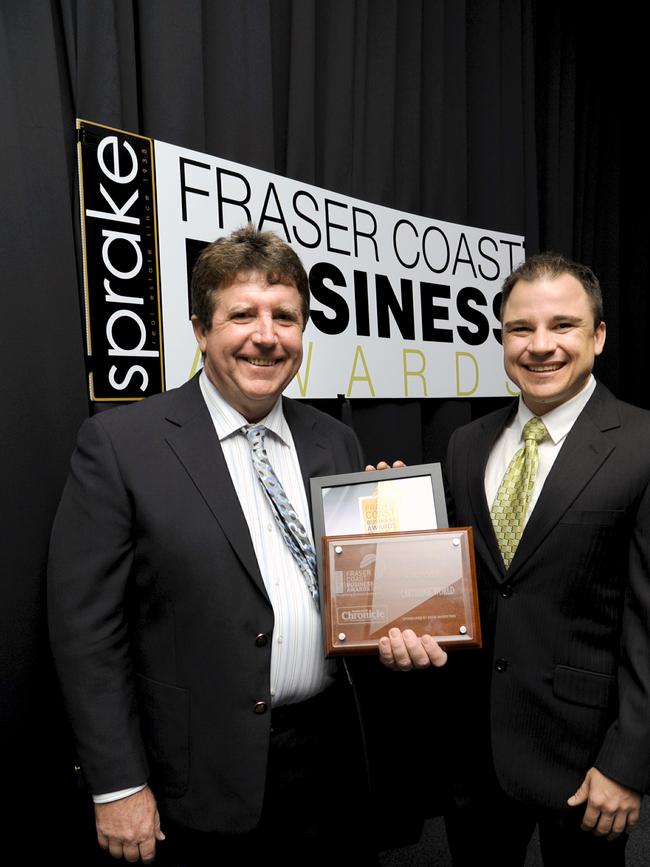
[[238, 307], [287, 310], [244, 307]]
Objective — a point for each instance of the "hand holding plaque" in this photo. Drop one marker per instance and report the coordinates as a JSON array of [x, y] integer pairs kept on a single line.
[[388, 560]]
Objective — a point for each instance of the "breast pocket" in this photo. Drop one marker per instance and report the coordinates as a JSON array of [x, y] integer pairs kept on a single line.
[[595, 517], [165, 715], [588, 688]]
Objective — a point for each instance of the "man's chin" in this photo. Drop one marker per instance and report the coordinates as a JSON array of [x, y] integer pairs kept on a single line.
[[540, 402], [258, 402]]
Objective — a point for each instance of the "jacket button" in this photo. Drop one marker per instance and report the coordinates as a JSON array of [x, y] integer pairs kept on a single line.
[[260, 707], [501, 664], [261, 640], [506, 591]]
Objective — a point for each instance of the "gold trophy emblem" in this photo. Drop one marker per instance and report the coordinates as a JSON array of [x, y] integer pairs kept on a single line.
[[379, 513]]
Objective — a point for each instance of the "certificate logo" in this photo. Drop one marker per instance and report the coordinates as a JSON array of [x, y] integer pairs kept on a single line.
[[362, 615], [379, 513]]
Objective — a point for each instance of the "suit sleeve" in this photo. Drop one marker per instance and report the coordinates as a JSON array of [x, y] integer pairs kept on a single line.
[[91, 556], [625, 753]]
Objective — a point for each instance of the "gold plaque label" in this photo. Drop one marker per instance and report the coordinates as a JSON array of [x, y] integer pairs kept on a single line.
[[379, 514]]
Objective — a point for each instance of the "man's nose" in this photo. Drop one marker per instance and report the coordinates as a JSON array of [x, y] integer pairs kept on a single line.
[[265, 333], [541, 342]]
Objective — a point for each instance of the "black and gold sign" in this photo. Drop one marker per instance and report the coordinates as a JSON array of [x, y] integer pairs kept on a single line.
[[120, 262]]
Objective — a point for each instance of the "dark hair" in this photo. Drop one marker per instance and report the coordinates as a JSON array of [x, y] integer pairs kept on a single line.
[[243, 252], [552, 265]]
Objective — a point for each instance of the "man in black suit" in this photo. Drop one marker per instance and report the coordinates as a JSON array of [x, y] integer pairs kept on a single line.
[[185, 630], [552, 717]]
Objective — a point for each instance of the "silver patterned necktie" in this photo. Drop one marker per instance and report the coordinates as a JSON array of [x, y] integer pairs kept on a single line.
[[510, 505], [285, 515]]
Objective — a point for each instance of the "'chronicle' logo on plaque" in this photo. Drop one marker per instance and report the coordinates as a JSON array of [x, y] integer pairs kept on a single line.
[[362, 615]]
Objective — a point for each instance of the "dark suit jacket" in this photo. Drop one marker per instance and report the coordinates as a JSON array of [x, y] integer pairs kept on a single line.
[[563, 682], [156, 601]]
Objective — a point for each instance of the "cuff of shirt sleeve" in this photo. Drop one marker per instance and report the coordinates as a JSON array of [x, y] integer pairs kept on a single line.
[[107, 797]]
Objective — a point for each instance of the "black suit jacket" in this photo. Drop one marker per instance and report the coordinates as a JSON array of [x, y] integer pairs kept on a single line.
[[563, 682], [156, 601]]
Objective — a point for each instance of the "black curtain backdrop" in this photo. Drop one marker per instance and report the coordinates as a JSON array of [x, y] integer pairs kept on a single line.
[[514, 115]]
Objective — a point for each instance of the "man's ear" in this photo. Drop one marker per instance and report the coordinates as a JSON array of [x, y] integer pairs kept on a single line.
[[599, 338], [200, 332]]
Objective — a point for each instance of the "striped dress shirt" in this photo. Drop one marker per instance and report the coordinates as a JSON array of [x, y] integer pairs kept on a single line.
[[299, 669]]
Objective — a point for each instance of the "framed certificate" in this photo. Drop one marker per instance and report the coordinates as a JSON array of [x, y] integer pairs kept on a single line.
[[387, 558]]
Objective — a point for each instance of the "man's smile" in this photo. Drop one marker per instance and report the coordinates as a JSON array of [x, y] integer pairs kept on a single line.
[[544, 368], [261, 362]]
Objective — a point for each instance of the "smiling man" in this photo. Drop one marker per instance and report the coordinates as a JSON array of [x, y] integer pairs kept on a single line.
[[551, 720], [552, 331], [183, 603], [554, 713]]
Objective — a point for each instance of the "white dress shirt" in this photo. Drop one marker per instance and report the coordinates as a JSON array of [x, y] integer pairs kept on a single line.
[[558, 421]]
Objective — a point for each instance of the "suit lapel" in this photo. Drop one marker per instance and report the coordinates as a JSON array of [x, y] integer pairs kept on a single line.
[[313, 449], [192, 438], [485, 539], [584, 451]]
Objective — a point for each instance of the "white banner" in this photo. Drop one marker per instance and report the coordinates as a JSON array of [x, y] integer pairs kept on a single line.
[[402, 305]]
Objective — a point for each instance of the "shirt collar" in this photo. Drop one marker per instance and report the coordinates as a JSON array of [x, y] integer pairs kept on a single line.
[[227, 421], [560, 420]]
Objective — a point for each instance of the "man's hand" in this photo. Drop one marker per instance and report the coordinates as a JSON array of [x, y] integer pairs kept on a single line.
[[403, 651], [383, 465], [611, 807], [130, 827]]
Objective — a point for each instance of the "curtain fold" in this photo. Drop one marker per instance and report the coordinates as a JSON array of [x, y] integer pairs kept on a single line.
[[507, 114]]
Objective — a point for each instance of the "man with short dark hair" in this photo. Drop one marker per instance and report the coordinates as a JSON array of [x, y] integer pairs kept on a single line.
[[183, 601], [552, 718]]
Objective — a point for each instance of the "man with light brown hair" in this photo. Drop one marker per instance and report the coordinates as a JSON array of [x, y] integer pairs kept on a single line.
[[183, 604]]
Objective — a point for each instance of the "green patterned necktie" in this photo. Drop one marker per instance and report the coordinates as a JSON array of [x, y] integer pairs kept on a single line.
[[510, 505]]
